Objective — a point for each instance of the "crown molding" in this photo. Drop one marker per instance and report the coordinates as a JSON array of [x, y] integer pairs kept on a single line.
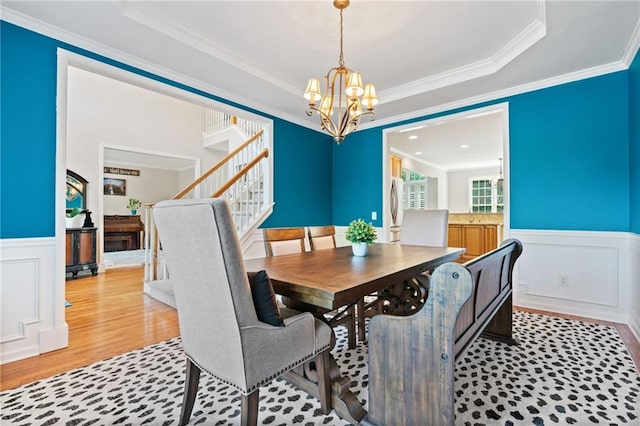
[[500, 94], [632, 48], [91, 46], [202, 42], [533, 33]]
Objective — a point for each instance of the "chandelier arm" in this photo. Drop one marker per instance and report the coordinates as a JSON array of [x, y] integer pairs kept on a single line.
[[346, 119], [327, 123]]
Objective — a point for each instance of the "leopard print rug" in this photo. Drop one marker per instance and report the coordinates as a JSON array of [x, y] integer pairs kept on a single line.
[[563, 372]]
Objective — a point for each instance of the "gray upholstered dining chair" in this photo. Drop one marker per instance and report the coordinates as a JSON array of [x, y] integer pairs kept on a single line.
[[220, 329], [425, 228]]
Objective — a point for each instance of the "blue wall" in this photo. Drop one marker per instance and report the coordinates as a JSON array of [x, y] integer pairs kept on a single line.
[[28, 133], [28, 143], [302, 177], [357, 172], [634, 136], [574, 152], [569, 148]]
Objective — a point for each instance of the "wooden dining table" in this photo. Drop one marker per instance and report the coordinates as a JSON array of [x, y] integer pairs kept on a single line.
[[333, 278]]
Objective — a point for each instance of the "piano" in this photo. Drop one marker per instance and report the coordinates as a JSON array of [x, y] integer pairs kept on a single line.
[[123, 232]]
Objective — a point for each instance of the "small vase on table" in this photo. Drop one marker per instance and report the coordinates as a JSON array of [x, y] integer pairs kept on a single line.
[[359, 249]]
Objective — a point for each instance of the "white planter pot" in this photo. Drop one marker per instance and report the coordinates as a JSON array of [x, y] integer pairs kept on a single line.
[[74, 222], [359, 249]]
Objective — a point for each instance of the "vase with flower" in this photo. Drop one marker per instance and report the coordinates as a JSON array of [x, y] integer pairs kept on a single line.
[[361, 234]]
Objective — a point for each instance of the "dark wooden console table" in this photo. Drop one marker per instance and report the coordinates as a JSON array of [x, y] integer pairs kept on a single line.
[[81, 251]]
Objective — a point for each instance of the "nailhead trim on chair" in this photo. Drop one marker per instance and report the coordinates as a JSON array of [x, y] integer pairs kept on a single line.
[[265, 380]]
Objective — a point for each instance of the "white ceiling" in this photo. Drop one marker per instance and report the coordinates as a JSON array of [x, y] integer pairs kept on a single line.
[[119, 157], [469, 142], [423, 56]]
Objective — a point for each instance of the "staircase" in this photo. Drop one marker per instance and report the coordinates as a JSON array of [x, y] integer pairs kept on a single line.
[[242, 178]]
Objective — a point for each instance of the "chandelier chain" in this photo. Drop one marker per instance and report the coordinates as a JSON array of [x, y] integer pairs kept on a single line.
[[341, 60]]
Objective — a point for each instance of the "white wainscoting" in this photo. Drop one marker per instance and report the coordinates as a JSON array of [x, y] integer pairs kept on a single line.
[[634, 261], [32, 317], [590, 274]]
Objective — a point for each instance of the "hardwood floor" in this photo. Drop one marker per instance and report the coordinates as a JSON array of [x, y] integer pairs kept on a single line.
[[110, 315]]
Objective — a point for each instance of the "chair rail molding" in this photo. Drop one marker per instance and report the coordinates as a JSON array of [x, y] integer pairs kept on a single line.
[[32, 315], [585, 273]]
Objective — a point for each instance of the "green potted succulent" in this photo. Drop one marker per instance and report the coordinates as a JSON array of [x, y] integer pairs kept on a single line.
[[361, 234], [134, 205]]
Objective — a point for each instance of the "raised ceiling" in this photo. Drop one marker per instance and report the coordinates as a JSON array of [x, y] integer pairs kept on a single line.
[[422, 55]]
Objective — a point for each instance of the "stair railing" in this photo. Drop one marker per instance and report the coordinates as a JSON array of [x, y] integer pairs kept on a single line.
[[216, 121], [233, 159], [239, 178]]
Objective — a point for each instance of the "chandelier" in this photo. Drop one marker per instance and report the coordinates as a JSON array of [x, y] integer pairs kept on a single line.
[[344, 94]]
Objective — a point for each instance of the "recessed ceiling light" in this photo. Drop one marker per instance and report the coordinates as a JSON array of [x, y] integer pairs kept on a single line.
[[418, 153], [464, 146], [413, 137]]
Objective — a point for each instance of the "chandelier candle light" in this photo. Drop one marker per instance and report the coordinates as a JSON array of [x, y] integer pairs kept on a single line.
[[344, 93]]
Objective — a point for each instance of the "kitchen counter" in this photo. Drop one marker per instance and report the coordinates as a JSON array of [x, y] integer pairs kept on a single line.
[[476, 218], [478, 233]]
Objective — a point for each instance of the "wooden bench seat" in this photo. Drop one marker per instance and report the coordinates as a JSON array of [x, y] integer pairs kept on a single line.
[[411, 359]]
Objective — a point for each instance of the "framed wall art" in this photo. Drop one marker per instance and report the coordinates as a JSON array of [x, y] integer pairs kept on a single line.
[[115, 186]]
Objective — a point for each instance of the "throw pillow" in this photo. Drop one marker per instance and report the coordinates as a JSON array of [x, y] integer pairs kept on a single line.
[[264, 298]]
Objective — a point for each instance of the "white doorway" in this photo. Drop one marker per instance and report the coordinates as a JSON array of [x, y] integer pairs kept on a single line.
[[448, 147], [156, 176]]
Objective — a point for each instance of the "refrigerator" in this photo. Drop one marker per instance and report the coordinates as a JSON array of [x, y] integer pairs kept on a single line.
[[396, 208]]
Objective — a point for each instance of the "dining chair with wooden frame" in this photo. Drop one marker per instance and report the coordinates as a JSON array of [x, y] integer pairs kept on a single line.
[[280, 241]]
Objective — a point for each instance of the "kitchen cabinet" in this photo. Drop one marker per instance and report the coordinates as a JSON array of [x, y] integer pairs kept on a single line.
[[476, 238], [81, 251]]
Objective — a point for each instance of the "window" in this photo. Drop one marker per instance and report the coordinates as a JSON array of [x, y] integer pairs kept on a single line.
[[486, 195], [414, 195]]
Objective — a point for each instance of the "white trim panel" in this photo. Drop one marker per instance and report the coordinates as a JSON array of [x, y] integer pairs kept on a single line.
[[634, 280], [583, 273], [29, 319]]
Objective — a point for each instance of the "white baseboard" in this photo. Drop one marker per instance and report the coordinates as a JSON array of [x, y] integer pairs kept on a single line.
[[634, 261], [32, 314], [161, 290], [582, 273]]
